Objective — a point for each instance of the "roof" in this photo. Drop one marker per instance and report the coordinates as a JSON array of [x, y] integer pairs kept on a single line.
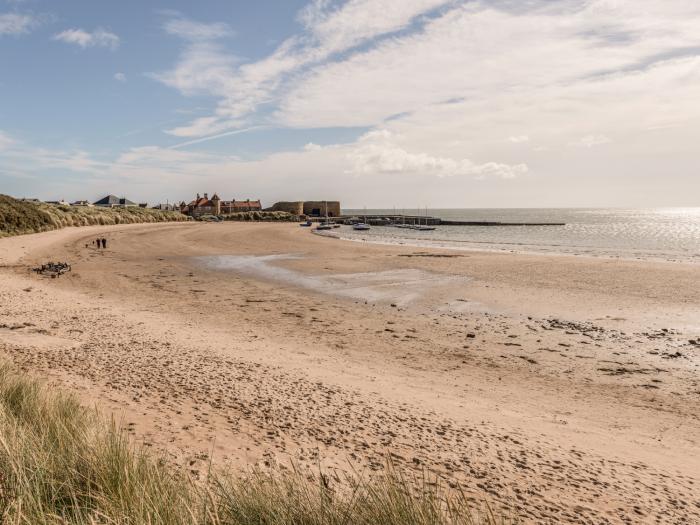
[[246, 204], [201, 202], [114, 200]]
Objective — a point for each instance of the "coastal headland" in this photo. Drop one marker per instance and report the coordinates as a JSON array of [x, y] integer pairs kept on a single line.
[[562, 389]]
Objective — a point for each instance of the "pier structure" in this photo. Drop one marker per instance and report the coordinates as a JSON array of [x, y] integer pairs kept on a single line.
[[392, 220]]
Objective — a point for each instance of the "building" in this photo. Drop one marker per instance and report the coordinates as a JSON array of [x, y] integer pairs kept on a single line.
[[62, 202], [310, 208], [111, 201], [82, 203], [216, 206], [166, 207]]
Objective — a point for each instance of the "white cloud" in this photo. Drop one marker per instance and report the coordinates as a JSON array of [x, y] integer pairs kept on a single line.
[[377, 152], [446, 88], [213, 137], [589, 141], [6, 141], [120, 77], [98, 38], [199, 128], [195, 31], [529, 57], [16, 24], [312, 147], [373, 159], [359, 20], [205, 67], [455, 83], [476, 51]]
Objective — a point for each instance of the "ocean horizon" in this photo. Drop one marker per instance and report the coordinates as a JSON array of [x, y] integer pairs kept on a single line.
[[648, 233]]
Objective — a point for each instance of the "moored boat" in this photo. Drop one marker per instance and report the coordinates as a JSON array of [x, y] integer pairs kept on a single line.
[[326, 224]]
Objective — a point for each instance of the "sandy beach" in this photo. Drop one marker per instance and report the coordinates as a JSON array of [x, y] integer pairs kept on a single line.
[[564, 389]]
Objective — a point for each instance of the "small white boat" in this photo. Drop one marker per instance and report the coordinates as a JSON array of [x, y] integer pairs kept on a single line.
[[362, 225], [423, 227], [326, 224]]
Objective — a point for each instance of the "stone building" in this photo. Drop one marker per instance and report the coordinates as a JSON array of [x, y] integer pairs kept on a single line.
[[216, 206], [310, 208]]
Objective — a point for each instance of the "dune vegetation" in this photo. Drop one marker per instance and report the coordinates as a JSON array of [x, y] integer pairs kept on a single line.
[[260, 216], [21, 217], [62, 463], [265, 216]]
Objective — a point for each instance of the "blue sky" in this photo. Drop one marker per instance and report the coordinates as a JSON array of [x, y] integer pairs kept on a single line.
[[66, 95], [378, 103]]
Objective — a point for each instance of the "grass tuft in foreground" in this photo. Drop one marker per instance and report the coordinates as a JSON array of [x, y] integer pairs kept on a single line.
[[61, 463]]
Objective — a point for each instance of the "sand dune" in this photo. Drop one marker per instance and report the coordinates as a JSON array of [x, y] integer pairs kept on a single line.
[[563, 388]]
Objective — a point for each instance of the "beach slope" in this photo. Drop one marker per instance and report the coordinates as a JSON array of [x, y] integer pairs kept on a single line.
[[562, 388]]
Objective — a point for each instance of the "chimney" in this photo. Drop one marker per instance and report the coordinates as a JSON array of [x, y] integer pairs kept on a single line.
[[206, 196], [198, 196]]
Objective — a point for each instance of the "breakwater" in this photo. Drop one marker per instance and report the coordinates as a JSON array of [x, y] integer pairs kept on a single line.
[[392, 220]]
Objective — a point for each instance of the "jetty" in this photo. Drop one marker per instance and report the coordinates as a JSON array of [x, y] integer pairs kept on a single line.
[[392, 220]]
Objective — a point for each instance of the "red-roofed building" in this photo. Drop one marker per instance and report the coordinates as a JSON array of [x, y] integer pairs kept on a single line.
[[215, 206]]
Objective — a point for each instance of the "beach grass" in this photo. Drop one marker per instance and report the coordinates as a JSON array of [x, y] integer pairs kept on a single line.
[[22, 217], [63, 463], [282, 216]]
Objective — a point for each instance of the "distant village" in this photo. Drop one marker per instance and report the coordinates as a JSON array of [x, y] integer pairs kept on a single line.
[[203, 205]]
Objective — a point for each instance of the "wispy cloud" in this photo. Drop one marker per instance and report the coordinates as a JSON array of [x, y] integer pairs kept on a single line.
[[447, 88], [205, 66], [589, 141], [196, 31], [214, 137], [16, 23], [97, 38], [384, 59], [5, 140], [120, 77]]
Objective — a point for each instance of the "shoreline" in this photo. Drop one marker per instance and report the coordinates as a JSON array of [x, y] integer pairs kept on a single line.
[[491, 247], [531, 397]]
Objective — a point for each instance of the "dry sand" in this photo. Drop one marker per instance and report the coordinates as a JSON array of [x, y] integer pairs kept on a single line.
[[562, 388]]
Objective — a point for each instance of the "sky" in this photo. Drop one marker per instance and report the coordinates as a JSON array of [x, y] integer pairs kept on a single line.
[[376, 103]]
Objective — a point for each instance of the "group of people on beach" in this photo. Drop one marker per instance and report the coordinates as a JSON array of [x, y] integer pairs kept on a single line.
[[100, 243]]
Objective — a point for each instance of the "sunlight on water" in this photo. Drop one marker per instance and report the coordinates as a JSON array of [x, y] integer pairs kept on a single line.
[[666, 233]]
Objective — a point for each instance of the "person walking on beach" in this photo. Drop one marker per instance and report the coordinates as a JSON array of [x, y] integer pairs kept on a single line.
[[104, 242], [97, 242]]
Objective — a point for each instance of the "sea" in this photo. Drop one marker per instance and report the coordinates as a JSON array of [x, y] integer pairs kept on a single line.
[[669, 234]]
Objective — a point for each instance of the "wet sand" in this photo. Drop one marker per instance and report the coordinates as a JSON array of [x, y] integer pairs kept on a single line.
[[563, 388]]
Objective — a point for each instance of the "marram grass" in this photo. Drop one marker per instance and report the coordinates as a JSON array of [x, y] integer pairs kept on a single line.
[[61, 463], [20, 217]]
